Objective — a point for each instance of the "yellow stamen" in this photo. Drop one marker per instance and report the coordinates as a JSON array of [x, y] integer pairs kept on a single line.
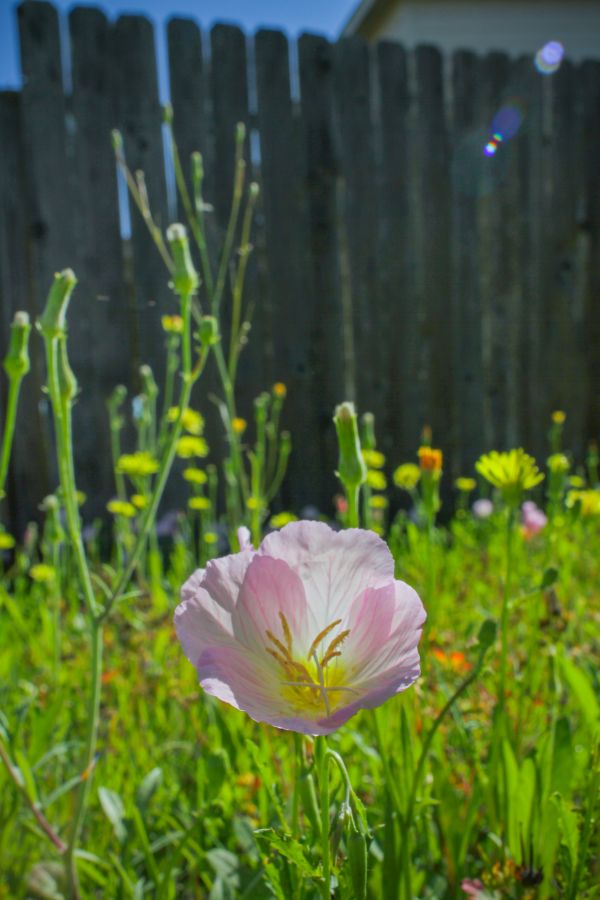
[[320, 636], [279, 645], [286, 631], [329, 656], [332, 649]]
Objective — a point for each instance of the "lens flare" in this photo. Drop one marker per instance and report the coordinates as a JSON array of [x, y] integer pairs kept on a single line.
[[549, 57], [492, 145]]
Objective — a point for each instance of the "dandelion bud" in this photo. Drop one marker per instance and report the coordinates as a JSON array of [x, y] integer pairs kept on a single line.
[[66, 377], [209, 331], [367, 431], [52, 321], [352, 470], [149, 386], [197, 167], [16, 362], [254, 190], [185, 277], [117, 140], [240, 133]]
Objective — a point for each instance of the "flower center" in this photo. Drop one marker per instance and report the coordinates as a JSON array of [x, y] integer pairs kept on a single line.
[[314, 682]]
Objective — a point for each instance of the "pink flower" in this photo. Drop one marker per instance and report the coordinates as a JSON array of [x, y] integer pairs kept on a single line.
[[483, 508], [534, 519], [474, 888], [305, 631]]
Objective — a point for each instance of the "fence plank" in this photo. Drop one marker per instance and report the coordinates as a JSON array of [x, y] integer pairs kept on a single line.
[[139, 119], [398, 432], [49, 199], [357, 188], [29, 474], [293, 307], [590, 75], [567, 248], [316, 88], [100, 325], [469, 134], [435, 257], [187, 69]]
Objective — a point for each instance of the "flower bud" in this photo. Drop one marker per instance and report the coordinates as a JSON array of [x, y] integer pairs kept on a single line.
[[66, 377], [367, 431], [149, 386], [52, 321], [208, 331], [352, 470], [185, 277], [16, 362]]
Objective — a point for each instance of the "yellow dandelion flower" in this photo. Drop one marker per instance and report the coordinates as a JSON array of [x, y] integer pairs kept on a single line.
[[253, 503], [559, 417], [577, 482], [7, 541], [139, 464], [589, 502], [121, 508], [139, 501], [374, 459], [281, 519], [191, 420], [195, 476], [239, 425], [189, 446], [210, 537], [558, 464], [511, 472], [172, 324], [430, 460], [279, 390], [465, 485], [407, 476], [378, 502], [42, 573], [199, 503], [376, 480]]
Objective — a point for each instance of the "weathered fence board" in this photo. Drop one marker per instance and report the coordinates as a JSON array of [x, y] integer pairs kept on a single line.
[[393, 261], [100, 302]]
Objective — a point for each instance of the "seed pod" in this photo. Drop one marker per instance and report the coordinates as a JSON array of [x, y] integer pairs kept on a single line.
[[16, 362]]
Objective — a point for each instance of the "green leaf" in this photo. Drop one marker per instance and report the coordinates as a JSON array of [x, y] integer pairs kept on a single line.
[[148, 787], [487, 634], [549, 578], [114, 811], [582, 691], [291, 849]]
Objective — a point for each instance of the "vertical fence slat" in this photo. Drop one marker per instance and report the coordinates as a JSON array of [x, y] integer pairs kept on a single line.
[[396, 257], [139, 119], [29, 476], [316, 87], [568, 249], [100, 338], [590, 74], [357, 198], [493, 257], [187, 70], [293, 307], [434, 254], [468, 139]]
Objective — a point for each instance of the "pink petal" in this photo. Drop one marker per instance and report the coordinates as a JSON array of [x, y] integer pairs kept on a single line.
[[223, 577], [397, 651], [200, 622], [270, 588], [335, 566]]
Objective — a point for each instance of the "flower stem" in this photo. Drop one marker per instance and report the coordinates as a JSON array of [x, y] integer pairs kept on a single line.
[[353, 494], [505, 601], [9, 429], [323, 764]]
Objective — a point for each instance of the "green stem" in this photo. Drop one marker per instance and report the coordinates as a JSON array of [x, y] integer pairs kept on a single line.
[[353, 494], [9, 429], [323, 764], [505, 602], [90, 754]]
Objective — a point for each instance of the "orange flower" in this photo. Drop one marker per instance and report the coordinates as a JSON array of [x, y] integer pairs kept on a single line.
[[430, 460], [457, 661]]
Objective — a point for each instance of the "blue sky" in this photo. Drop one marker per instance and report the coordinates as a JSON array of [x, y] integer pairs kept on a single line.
[[293, 16]]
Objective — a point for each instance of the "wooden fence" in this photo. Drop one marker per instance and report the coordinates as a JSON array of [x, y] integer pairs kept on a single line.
[[395, 263]]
